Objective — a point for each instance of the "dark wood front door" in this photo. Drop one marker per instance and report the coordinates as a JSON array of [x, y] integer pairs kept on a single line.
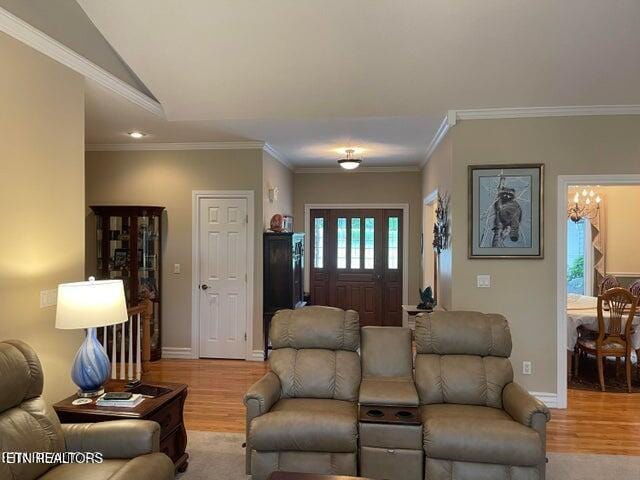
[[356, 262]]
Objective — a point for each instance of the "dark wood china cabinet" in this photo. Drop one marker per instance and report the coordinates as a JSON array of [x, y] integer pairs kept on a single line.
[[129, 248], [283, 276]]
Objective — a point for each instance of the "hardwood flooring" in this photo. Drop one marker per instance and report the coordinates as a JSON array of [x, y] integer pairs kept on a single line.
[[216, 389], [595, 422]]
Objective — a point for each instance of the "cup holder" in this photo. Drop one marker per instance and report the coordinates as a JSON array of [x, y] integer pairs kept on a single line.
[[404, 414], [375, 413]]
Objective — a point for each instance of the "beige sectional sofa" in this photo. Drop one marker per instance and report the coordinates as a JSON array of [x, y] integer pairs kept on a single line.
[[476, 423]]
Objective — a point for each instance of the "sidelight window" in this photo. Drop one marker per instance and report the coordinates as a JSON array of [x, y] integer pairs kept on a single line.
[[369, 231], [342, 243], [355, 243], [318, 243], [392, 254]]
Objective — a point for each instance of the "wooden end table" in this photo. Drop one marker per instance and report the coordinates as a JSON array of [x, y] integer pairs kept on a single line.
[[165, 407]]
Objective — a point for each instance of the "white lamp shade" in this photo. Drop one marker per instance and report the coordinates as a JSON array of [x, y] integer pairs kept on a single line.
[[91, 304]]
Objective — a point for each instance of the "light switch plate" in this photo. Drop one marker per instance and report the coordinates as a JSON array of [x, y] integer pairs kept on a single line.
[[483, 281], [176, 268], [48, 298], [527, 368]]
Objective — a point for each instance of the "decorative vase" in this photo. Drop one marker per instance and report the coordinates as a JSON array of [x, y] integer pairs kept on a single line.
[[91, 367]]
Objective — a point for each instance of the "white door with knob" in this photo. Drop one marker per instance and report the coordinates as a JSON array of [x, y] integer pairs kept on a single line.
[[222, 282]]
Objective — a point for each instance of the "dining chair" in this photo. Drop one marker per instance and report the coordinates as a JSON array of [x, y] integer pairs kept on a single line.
[[634, 288], [614, 336], [608, 282]]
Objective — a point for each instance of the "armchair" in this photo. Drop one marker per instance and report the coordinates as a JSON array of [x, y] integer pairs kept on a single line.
[[129, 447], [477, 423], [302, 415]]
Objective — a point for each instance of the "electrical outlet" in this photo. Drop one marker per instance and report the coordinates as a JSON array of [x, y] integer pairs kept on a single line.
[[483, 281], [527, 368], [48, 298], [176, 268]]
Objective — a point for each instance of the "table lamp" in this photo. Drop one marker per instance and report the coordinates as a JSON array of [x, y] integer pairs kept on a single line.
[[90, 305]]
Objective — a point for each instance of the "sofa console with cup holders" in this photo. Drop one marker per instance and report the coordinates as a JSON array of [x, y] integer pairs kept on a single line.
[[324, 409], [390, 429]]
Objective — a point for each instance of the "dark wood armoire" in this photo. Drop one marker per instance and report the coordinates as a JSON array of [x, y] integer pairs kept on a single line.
[[283, 276]]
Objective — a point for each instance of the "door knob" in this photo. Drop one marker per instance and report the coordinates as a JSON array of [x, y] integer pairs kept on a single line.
[[204, 287]]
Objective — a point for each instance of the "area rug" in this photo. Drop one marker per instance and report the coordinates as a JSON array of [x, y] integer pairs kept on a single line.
[[220, 456], [588, 377]]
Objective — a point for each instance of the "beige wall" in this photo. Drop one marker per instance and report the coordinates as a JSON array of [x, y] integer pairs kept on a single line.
[[275, 174], [168, 178], [622, 232], [525, 290], [437, 174], [366, 187], [41, 202]]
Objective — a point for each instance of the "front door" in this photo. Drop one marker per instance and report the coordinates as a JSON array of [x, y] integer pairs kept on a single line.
[[223, 277], [356, 262]]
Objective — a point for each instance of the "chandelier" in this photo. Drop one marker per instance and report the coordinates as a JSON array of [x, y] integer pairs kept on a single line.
[[585, 204]]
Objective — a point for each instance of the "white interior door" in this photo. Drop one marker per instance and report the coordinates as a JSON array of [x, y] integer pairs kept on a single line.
[[223, 277]]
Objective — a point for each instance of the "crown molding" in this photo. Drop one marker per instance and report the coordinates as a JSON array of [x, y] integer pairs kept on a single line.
[[36, 39], [121, 147], [533, 112], [453, 116], [275, 154], [399, 169], [447, 122], [248, 145]]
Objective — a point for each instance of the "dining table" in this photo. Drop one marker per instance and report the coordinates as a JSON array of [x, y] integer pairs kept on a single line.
[[582, 311]]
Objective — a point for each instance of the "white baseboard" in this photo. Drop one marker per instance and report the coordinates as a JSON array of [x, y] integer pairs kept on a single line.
[[549, 399], [257, 356], [176, 352]]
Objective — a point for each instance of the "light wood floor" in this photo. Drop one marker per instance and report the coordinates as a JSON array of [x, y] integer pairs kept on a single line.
[[595, 422]]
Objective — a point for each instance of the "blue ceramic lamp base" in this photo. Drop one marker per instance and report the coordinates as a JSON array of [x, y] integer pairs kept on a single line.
[[91, 367]]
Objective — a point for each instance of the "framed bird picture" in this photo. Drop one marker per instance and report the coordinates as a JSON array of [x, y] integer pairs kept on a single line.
[[506, 211]]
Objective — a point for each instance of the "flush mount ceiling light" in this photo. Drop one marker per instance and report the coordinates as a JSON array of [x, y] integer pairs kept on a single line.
[[350, 163], [136, 134]]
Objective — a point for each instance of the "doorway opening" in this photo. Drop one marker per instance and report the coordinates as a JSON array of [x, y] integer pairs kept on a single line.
[[585, 257], [429, 257]]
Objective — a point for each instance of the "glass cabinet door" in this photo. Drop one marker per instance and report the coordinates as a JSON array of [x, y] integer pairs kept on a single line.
[[148, 267], [113, 245]]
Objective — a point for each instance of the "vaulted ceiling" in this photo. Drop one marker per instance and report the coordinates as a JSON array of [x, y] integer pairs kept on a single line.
[[313, 76]]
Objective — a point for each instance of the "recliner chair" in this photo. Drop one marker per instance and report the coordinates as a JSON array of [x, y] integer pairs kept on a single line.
[[28, 425], [477, 423], [302, 415]]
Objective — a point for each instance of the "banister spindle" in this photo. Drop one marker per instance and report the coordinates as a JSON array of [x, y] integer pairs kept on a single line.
[[138, 348], [122, 348], [114, 351], [130, 366]]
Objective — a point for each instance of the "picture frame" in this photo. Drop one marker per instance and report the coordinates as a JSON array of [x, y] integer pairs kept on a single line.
[[120, 258], [506, 211]]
